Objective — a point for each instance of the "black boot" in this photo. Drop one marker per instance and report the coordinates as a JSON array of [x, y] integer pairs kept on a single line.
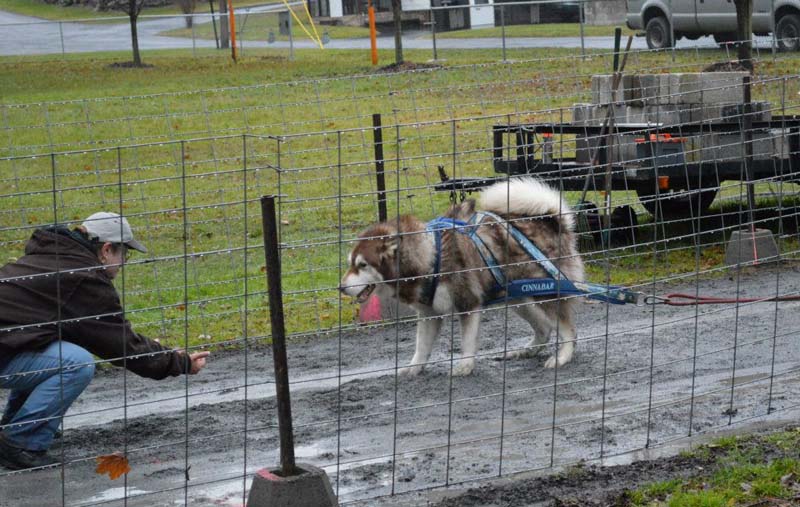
[[16, 458]]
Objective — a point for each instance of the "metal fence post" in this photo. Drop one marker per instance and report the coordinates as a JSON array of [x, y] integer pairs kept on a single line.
[[272, 255], [748, 146], [61, 34], [503, 28], [194, 39], [774, 35], [581, 20], [672, 40], [240, 36], [214, 23], [433, 35], [377, 136], [291, 39]]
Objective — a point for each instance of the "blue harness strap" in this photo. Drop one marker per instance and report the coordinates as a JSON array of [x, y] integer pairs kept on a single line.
[[539, 287], [609, 293], [557, 285], [436, 226], [469, 229]]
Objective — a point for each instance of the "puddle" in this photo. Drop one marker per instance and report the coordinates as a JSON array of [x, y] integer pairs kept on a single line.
[[113, 494]]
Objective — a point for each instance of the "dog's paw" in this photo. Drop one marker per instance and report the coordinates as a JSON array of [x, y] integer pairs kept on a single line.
[[464, 368], [557, 360], [411, 370]]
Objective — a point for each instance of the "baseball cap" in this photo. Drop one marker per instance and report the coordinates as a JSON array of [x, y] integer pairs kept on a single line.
[[109, 227]]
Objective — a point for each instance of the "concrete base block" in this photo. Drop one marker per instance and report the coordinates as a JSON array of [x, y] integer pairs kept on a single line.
[[582, 114], [732, 147], [676, 89], [311, 488], [749, 246]]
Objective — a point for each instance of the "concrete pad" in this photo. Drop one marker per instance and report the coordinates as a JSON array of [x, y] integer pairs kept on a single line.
[[311, 488]]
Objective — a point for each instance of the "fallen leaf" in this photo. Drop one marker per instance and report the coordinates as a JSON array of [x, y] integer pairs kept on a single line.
[[115, 465]]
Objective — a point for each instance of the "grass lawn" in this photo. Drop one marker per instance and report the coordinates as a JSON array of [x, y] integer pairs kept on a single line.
[[738, 471], [190, 181], [542, 30]]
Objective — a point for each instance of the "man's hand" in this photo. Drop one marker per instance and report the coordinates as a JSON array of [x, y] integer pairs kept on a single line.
[[198, 360]]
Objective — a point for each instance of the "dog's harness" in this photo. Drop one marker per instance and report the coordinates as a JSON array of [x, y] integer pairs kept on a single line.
[[556, 285]]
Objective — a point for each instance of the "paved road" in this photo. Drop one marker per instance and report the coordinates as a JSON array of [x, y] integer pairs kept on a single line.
[[24, 35]]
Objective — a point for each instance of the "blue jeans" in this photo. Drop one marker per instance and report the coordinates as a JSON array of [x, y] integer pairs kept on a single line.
[[42, 391]]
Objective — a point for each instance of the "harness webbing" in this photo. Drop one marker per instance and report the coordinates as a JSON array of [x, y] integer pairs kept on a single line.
[[558, 284], [436, 226]]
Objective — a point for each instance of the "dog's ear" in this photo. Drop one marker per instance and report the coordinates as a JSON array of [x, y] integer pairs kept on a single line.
[[462, 210], [388, 248], [468, 207]]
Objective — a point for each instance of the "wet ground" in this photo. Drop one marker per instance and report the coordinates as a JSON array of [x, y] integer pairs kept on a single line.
[[643, 380], [612, 486]]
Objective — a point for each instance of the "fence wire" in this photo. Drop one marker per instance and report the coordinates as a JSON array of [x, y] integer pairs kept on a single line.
[[686, 167]]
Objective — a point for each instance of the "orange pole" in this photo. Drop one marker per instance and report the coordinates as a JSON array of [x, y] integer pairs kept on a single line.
[[373, 41], [232, 27]]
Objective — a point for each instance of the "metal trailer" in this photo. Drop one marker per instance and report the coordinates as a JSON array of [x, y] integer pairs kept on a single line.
[[665, 180]]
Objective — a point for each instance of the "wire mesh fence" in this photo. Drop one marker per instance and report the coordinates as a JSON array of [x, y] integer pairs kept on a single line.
[[655, 173], [454, 91], [262, 27], [284, 27], [279, 29]]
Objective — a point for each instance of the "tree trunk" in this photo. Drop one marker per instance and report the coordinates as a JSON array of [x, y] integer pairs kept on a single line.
[[397, 13], [133, 15], [744, 26], [223, 25], [188, 7]]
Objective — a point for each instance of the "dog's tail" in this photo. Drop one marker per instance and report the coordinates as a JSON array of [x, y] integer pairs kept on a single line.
[[527, 197]]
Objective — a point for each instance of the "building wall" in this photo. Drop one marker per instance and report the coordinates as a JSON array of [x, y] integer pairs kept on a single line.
[[416, 5], [605, 12], [336, 8]]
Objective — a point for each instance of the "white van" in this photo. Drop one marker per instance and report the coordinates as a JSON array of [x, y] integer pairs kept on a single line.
[[665, 21]]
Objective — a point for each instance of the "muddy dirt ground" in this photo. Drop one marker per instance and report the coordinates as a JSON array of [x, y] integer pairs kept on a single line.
[[643, 377]]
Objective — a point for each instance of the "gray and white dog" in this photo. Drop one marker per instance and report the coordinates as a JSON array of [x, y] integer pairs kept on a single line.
[[398, 258]]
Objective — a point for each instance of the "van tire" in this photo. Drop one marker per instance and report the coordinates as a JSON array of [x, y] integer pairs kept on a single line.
[[657, 33], [787, 33]]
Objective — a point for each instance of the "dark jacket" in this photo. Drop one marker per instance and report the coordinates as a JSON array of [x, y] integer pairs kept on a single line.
[[58, 289]]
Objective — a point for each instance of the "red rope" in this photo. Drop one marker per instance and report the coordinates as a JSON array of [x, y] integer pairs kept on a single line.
[[689, 300]]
